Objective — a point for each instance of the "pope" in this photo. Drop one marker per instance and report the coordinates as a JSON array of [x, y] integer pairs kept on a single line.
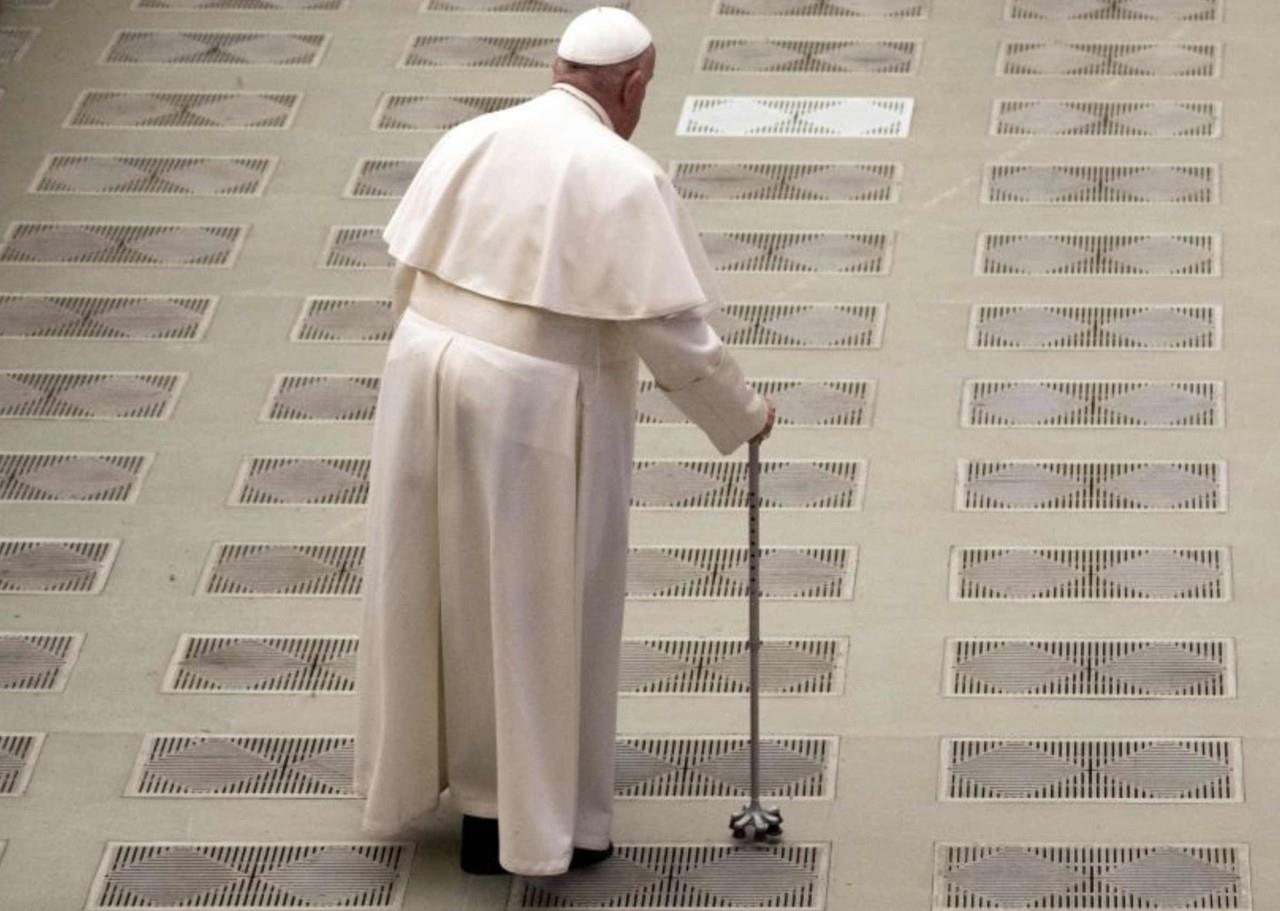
[[540, 256]]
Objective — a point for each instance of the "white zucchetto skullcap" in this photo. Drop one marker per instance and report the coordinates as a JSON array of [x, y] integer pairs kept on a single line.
[[602, 36]]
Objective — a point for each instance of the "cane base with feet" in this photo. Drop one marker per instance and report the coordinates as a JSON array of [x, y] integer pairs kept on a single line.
[[764, 824]]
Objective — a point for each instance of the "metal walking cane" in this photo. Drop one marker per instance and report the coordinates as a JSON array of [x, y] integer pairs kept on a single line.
[[765, 824]]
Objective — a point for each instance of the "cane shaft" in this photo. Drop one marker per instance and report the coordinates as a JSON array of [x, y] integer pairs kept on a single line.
[[753, 600]]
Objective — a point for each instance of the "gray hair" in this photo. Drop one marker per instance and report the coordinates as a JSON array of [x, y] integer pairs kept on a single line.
[[603, 79]]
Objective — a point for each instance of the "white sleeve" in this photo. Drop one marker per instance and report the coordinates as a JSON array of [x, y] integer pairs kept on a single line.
[[693, 367]]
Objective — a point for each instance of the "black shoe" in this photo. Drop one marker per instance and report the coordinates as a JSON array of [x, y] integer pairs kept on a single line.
[[480, 846], [585, 857]]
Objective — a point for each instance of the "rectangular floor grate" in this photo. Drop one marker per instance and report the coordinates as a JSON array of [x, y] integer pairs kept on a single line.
[[1092, 403], [37, 662], [1092, 668], [381, 178], [1092, 877], [518, 6], [168, 175], [1109, 58], [345, 319], [1103, 119], [684, 573], [867, 9], [252, 664], [242, 6], [769, 325], [1096, 327], [1090, 574], [56, 566], [676, 666], [778, 55], [1111, 769], [72, 477], [1067, 184], [132, 317], [1134, 255], [302, 481], [73, 243], [685, 877], [84, 394], [437, 112], [800, 403], [18, 755], [270, 570], [14, 43], [356, 247], [251, 875], [787, 181], [221, 47], [1057, 485], [830, 116], [1117, 10], [720, 484], [322, 397], [484, 51], [799, 251], [700, 768], [138, 110]]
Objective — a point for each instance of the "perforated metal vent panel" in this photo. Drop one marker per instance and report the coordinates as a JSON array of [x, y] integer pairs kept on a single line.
[[18, 755], [228, 48], [518, 6], [745, 115], [1101, 119], [127, 317], [777, 55], [795, 251], [1090, 574], [1096, 877], [662, 666], [381, 178], [708, 484], [302, 481], [768, 325], [56, 566], [437, 112], [1092, 403], [1067, 184], [367, 320], [870, 9], [37, 662], [251, 875], [1092, 668], [70, 243], [1122, 770], [135, 110], [356, 247], [262, 664], [14, 43], [243, 6], [482, 51], [678, 573], [1099, 254], [800, 181], [283, 570], [82, 395], [1117, 10], [1050, 485], [802, 403], [72, 477], [698, 768], [1109, 58], [321, 397], [1087, 327], [676, 877], [171, 175]]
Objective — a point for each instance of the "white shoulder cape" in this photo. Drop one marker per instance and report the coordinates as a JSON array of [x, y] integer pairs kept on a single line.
[[542, 204]]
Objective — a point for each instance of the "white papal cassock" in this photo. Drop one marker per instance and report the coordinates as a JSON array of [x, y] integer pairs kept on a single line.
[[553, 256]]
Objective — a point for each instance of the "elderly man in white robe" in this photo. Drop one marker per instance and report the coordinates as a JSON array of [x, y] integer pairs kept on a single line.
[[539, 256]]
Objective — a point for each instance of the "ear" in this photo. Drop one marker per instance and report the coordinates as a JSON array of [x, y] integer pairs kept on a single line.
[[633, 87]]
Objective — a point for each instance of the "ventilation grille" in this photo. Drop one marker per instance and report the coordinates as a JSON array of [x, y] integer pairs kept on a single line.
[[381, 178], [14, 43], [1084, 327], [1092, 668], [302, 481], [1045, 485], [345, 319], [871, 9], [37, 662], [721, 55], [1099, 254], [1098, 119], [486, 51], [765, 325], [437, 112], [122, 245], [18, 754], [1090, 574], [322, 397], [794, 251], [119, 175], [79, 395], [1117, 10], [356, 247], [244, 875], [284, 570], [1092, 403], [721, 667], [1109, 58], [810, 181], [127, 317], [708, 484], [184, 110], [1063, 184], [518, 6], [1121, 770], [682, 573], [248, 6], [262, 664], [688, 876], [699, 768], [227, 48], [1095, 877], [745, 115], [72, 477], [800, 403], [49, 566], [201, 765]]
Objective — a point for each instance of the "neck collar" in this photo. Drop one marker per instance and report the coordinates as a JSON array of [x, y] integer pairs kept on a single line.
[[596, 107]]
